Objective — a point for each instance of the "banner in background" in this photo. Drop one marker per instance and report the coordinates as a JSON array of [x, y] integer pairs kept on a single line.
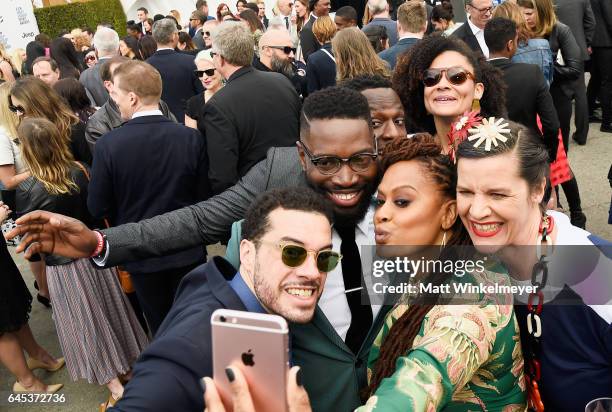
[[18, 25]]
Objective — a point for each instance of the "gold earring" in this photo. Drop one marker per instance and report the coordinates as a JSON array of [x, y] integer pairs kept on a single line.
[[476, 105], [443, 241]]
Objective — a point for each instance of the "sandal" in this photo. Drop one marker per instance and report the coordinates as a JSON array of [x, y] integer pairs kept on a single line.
[[111, 401]]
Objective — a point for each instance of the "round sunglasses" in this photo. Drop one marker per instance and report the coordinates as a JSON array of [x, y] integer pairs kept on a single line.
[[455, 75], [294, 256], [201, 73]]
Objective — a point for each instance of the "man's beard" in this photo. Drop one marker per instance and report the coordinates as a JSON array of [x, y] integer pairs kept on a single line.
[[284, 67], [348, 217]]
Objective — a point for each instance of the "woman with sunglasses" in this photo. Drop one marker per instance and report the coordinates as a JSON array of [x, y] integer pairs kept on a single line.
[[211, 80], [31, 97], [97, 329], [543, 23], [442, 79], [90, 58], [430, 355], [566, 323]]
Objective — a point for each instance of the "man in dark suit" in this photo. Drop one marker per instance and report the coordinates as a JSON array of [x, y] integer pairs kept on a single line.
[[170, 173], [472, 31], [600, 84], [167, 375], [578, 15], [307, 39], [333, 349], [142, 14], [527, 94], [196, 21], [177, 70], [106, 43], [411, 27], [254, 111]]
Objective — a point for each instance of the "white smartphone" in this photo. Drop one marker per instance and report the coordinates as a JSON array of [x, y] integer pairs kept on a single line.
[[259, 344]]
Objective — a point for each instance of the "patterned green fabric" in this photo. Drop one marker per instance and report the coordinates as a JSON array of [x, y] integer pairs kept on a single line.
[[464, 358]]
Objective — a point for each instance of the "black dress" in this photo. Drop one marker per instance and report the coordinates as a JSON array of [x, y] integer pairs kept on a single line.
[[15, 298], [194, 105]]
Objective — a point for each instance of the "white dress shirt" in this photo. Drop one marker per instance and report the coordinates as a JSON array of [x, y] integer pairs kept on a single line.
[[333, 300], [479, 34], [143, 113]]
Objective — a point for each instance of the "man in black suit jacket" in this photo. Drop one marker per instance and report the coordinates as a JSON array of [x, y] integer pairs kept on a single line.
[[578, 15], [527, 95], [254, 111], [177, 70], [308, 41], [169, 172], [411, 27], [601, 75], [472, 31], [167, 375]]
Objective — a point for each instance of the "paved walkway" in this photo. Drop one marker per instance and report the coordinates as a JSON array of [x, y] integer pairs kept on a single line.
[[590, 163]]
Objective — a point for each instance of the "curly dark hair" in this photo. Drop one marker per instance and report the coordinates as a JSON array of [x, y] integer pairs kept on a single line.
[[257, 223], [334, 103], [408, 74], [366, 82], [427, 151]]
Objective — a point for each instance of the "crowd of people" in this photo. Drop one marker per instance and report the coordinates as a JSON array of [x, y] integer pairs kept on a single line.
[[293, 132]]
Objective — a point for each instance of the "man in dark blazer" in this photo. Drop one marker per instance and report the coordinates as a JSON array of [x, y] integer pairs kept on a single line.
[[169, 172], [600, 84], [411, 27], [336, 122], [177, 70], [472, 31], [527, 94], [167, 375], [578, 15], [106, 43], [254, 111], [308, 41]]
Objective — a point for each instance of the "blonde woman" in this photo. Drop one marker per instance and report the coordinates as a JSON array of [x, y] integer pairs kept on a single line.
[[98, 331], [8, 73], [12, 169], [355, 56], [212, 82], [18, 58]]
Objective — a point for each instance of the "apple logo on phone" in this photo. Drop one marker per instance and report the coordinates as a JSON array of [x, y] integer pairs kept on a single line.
[[247, 358]]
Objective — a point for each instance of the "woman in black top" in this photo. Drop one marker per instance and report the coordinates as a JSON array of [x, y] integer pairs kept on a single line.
[[212, 82], [15, 333], [67, 58]]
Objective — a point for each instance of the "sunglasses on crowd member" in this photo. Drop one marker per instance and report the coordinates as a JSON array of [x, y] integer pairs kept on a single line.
[[201, 73], [18, 110], [329, 165], [455, 75], [90, 58], [294, 256], [206, 33], [286, 49]]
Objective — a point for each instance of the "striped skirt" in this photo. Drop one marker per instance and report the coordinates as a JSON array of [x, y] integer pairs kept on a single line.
[[98, 331]]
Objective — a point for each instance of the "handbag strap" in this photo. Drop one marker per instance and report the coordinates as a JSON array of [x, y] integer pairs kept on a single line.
[[329, 54]]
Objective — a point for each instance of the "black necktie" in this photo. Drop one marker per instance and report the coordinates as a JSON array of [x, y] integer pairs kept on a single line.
[[287, 22], [361, 313]]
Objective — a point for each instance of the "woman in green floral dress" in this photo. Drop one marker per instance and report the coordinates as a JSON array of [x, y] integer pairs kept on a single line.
[[428, 356]]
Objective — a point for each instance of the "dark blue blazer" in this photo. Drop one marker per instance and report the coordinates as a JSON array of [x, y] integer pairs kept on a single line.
[[167, 374], [392, 53], [147, 167], [179, 81], [320, 70]]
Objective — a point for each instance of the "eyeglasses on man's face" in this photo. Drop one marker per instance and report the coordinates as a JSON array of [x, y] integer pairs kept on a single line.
[[286, 49], [484, 10], [329, 165], [294, 256]]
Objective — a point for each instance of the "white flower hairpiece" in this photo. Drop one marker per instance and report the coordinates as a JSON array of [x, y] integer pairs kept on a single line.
[[490, 131]]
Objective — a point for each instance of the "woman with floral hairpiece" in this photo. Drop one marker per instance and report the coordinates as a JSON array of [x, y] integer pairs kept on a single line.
[[501, 196], [441, 80]]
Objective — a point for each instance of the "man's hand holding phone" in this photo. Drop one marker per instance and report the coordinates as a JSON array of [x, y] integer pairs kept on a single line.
[[241, 400]]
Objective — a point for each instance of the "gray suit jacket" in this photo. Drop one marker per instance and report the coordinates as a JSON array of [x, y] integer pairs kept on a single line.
[[198, 40], [206, 222], [92, 81], [578, 15]]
